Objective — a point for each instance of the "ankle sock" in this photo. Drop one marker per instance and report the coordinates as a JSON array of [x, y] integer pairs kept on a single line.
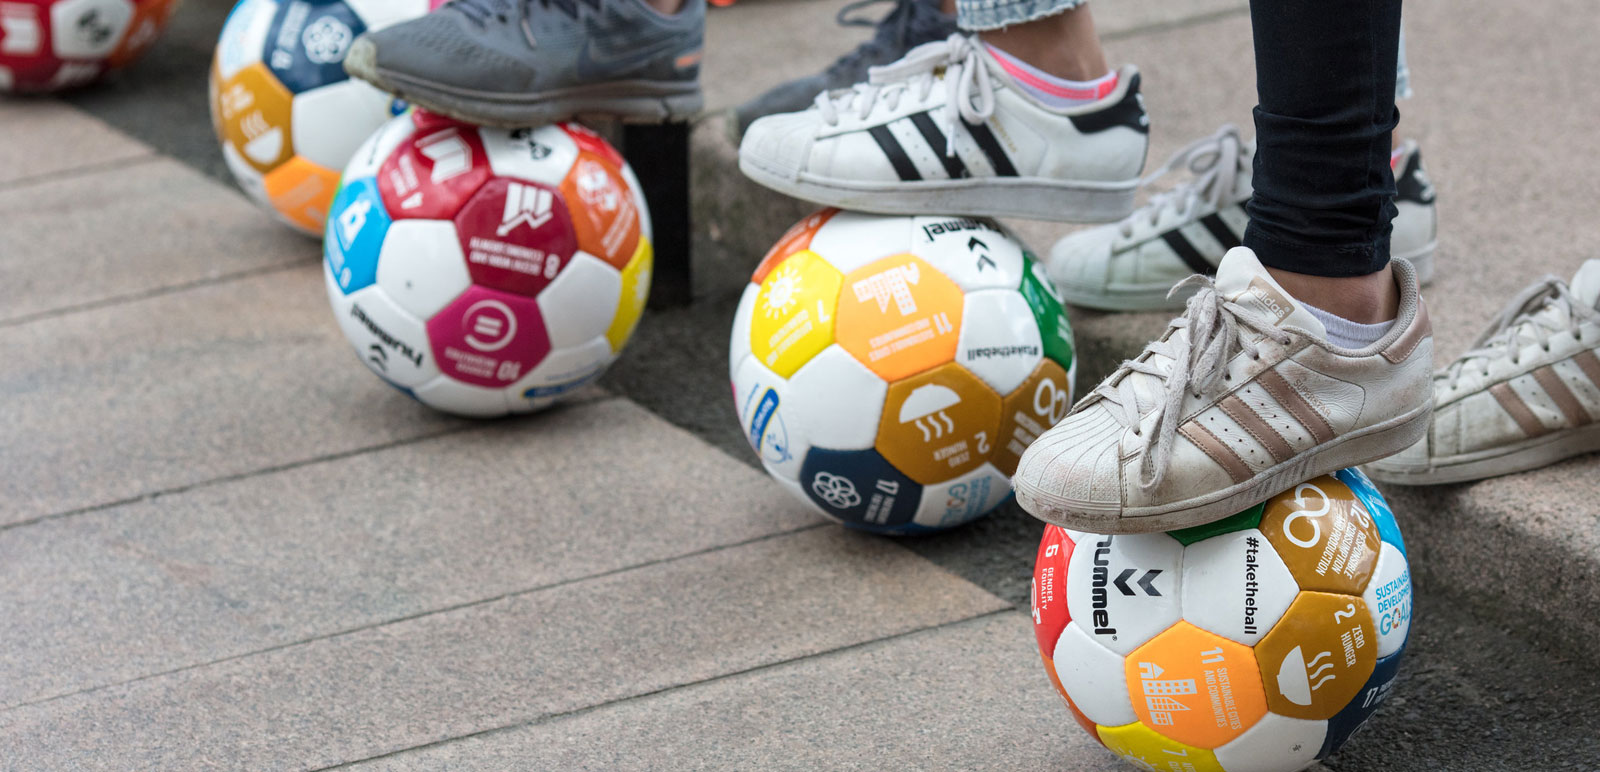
[[1347, 334], [1050, 90]]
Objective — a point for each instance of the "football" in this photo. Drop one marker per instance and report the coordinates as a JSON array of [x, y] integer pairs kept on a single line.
[[1259, 643], [285, 112], [485, 271], [889, 371], [49, 45]]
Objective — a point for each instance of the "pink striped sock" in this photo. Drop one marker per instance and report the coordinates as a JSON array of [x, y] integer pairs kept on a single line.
[[1050, 90]]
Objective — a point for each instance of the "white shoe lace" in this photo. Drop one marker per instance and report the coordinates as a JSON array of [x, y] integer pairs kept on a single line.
[[1540, 310], [969, 90], [1190, 363], [1216, 162]]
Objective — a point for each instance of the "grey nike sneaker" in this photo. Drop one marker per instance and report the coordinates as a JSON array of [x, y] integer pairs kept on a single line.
[[516, 63], [910, 24]]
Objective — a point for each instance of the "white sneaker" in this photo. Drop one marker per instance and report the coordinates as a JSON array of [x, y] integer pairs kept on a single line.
[[1526, 395], [945, 129], [1131, 265], [1242, 398]]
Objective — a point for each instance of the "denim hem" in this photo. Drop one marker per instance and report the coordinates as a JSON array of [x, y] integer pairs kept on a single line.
[[976, 15]]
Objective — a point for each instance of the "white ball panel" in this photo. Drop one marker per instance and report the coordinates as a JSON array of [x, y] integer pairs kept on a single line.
[[1236, 586], [88, 29], [544, 154], [453, 396], [250, 180], [244, 36], [762, 399], [999, 341], [562, 371], [1094, 677], [962, 499], [368, 158], [391, 342], [837, 401], [327, 124], [1274, 744], [850, 240], [377, 14], [969, 251], [580, 303], [1104, 594], [1388, 597], [739, 341], [421, 267]]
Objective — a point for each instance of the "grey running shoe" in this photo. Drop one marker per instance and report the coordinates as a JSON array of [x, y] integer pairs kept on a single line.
[[910, 24], [516, 63]]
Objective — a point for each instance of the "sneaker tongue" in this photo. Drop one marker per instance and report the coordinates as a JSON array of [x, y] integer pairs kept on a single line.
[[1242, 279], [1586, 283]]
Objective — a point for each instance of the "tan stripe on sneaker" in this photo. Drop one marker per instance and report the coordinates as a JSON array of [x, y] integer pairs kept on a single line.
[[1590, 365], [1296, 405], [1420, 330], [1248, 418], [1217, 450], [1517, 409], [1561, 395]]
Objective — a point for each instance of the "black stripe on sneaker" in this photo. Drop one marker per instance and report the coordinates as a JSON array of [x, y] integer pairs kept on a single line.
[[1220, 231], [936, 140], [991, 149], [1187, 253], [897, 154]]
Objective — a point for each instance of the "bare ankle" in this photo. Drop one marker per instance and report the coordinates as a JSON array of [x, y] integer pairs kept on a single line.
[[1064, 44], [665, 7], [1370, 299]]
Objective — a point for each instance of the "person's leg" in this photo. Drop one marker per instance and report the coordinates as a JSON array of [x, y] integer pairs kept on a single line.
[[1320, 213], [1064, 44]]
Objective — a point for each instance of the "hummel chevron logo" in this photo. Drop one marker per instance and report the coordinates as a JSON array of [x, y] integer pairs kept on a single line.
[[1144, 583]]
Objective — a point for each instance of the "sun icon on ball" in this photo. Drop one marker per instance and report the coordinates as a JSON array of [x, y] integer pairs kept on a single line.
[[783, 292]]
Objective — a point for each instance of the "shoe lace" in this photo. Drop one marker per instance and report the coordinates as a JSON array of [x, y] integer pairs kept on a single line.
[[1542, 309], [1190, 357], [953, 61], [1216, 162]]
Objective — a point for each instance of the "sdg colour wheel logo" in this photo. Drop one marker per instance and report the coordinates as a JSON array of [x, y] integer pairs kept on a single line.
[[1261, 642], [889, 371]]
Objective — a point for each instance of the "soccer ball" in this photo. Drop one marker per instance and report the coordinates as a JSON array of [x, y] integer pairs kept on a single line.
[[1259, 643], [287, 115], [891, 370], [485, 271], [49, 45]]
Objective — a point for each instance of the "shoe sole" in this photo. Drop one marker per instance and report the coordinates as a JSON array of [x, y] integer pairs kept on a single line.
[[1521, 457], [1032, 198], [1155, 298], [634, 101], [1353, 449]]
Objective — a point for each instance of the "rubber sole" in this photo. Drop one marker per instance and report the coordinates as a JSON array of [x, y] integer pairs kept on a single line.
[[1031, 198], [1353, 449], [1521, 457], [635, 101]]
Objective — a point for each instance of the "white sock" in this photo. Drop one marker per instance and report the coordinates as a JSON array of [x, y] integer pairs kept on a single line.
[[1347, 334], [1050, 90]]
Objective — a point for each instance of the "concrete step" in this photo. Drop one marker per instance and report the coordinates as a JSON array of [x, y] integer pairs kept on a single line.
[[1509, 213]]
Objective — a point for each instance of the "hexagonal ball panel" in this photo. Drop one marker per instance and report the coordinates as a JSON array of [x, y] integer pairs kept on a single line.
[[1123, 590], [605, 215], [488, 338], [794, 313], [739, 339], [1091, 676], [767, 418], [797, 238], [1142, 747], [1377, 506], [860, 489], [561, 372], [329, 123], [837, 400], [516, 235], [149, 18], [1038, 404], [1236, 586], [974, 252], [244, 37], [421, 268], [300, 192], [963, 499], [1373, 694], [939, 425], [390, 342], [432, 173], [580, 304], [899, 316], [88, 29], [1195, 687], [542, 155], [1318, 656], [1324, 534], [1049, 314]]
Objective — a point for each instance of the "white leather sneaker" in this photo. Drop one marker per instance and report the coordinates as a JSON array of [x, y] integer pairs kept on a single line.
[[945, 129], [1526, 395], [1131, 265], [1241, 398]]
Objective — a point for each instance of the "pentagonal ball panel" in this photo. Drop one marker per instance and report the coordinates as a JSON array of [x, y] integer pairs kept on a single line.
[[962, 499], [1049, 598], [561, 372], [1275, 744], [860, 489], [635, 292], [605, 213], [1195, 687], [1388, 597], [851, 240], [899, 316], [1123, 590], [1354, 715], [392, 343], [1236, 586], [581, 302], [301, 192], [244, 36], [544, 154], [488, 338], [1091, 674], [87, 29], [421, 268], [355, 237], [796, 239], [332, 121], [1324, 534], [794, 313], [767, 417], [1318, 656]]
